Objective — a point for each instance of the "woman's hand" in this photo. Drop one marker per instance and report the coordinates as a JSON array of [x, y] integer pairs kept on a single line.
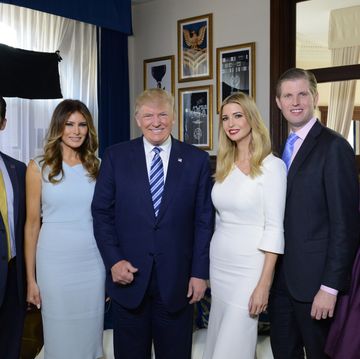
[[259, 300], [33, 294]]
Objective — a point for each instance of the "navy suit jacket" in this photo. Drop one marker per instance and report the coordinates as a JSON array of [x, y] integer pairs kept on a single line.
[[321, 216], [16, 170], [125, 226]]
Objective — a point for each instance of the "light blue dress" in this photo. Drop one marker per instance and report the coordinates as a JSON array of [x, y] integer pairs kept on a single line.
[[70, 272]]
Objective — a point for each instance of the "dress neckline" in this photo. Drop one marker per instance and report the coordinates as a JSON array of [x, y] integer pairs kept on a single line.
[[242, 172], [73, 166]]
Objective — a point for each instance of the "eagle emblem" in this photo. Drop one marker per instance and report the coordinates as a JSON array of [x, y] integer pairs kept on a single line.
[[194, 39]]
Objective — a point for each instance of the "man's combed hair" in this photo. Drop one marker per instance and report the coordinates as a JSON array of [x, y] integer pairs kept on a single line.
[[154, 95], [295, 74], [53, 158], [260, 145]]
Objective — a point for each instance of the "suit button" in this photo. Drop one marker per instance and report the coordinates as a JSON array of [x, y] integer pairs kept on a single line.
[[156, 228], [151, 254], [3, 258]]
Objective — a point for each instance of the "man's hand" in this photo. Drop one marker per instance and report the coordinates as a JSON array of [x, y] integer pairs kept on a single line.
[[196, 289], [123, 272], [323, 305]]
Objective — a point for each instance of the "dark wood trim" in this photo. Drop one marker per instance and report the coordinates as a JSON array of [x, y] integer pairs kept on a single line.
[[337, 73], [324, 112], [282, 57]]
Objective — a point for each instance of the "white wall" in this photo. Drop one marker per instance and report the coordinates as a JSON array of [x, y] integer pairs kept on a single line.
[[234, 22]]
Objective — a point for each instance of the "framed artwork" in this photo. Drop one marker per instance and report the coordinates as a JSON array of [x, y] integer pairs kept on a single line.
[[159, 73], [235, 70], [195, 48], [195, 116]]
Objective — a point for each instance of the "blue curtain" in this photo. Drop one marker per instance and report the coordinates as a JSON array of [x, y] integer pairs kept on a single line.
[[113, 88], [112, 14]]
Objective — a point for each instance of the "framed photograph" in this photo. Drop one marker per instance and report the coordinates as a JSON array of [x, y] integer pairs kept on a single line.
[[195, 116], [195, 48], [235, 69], [159, 73]]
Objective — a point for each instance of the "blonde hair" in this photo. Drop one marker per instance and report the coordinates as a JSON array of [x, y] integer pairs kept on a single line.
[[260, 145], [52, 157], [154, 95]]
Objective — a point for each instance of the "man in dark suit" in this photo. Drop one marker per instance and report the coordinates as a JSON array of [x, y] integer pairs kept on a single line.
[[321, 224], [153, 221], [12, 219]]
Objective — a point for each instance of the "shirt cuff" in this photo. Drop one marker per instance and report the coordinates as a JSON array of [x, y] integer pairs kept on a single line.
[[329, 290]]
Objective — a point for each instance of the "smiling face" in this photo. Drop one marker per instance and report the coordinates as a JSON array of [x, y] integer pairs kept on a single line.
[[75, 131], [235, 123], [155, 119], [296, 102]]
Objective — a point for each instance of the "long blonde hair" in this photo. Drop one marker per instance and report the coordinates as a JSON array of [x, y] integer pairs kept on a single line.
[[260, 145], [52, 157]]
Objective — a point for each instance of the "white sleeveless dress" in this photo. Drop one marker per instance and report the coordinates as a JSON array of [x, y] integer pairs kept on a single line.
[[70, 272], [249, 221]]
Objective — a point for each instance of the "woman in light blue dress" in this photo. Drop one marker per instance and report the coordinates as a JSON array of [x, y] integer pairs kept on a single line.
[[65, 273]]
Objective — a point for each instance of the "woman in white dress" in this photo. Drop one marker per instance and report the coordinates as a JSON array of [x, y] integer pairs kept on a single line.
[[249, 198], [70, 275]]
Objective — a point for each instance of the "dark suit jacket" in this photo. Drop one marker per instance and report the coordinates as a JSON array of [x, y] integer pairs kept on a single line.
[[126, 228], [16, 170], [321, 216]]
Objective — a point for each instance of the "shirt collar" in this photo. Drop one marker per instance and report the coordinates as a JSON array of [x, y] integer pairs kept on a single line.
[[165, 146], [303, 132]]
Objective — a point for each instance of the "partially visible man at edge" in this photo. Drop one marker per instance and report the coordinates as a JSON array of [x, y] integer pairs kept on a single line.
[[12, 276]]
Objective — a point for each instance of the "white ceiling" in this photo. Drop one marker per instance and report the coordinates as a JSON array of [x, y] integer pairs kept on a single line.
[[312, 24]]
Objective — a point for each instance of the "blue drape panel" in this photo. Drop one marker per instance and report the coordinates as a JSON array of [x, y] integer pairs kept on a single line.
[[113, 82], [112, 14]]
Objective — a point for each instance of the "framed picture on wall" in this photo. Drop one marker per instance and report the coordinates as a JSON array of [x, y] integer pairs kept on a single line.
[[195, 48], [195, 116], [235, 70], [159, 73]]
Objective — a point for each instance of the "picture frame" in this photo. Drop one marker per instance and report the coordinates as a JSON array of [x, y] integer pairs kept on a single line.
[[235, 70], [159, 73], [195, 116], [195, 48]]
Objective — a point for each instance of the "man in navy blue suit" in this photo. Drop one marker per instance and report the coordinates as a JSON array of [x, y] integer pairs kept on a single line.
[[12, 219], [153, 221], [321, 224]]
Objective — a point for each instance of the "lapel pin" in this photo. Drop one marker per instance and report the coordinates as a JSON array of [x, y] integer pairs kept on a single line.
[[179, 159]]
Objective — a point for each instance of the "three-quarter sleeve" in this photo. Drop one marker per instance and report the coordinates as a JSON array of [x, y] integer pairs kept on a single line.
[[274, 196]]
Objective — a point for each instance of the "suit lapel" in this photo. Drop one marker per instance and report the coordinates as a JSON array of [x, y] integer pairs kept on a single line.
[[174, 172], [304, 151], [15, 184], [140, 175]]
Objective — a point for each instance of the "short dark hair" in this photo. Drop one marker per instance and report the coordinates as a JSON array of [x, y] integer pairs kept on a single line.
[[295, 74], [2, 108]]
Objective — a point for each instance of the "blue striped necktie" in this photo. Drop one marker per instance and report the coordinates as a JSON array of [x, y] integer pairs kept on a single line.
[[289, 149], [156, 179]]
